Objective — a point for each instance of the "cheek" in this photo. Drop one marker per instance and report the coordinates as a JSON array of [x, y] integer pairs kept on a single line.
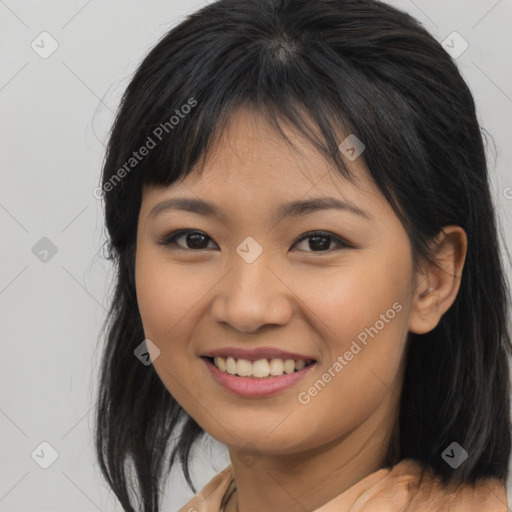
[[365, 294], [167, 301], [361, 315], [165, 296]]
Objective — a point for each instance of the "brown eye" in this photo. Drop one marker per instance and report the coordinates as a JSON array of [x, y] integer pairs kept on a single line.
[[320, 241], [193, 240]]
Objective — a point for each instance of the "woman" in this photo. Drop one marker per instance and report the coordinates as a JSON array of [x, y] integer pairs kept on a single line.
[[298, 206]]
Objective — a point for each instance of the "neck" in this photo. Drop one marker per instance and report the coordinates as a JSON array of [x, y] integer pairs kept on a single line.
[[309, 479]]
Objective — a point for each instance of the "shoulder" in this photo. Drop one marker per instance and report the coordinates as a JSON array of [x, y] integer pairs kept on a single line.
[[408, 487], [417, 489]]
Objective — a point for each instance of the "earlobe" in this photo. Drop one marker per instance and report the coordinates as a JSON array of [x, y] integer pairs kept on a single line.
[[439, 282]]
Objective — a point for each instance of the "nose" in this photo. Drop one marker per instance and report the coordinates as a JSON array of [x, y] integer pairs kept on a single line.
[[252, 296]]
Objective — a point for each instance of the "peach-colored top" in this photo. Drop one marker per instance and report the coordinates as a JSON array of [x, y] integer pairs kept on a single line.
[[386, 490]]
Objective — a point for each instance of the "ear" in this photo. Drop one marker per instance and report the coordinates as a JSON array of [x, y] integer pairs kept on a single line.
[[439, 283]]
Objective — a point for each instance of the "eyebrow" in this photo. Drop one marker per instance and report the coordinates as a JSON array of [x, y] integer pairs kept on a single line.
[[292, 209]]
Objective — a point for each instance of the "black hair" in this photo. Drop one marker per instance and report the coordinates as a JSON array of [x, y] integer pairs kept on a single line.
[[355, 66]]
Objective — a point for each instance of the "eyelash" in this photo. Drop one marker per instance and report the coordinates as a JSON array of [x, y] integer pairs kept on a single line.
[[170, 239]]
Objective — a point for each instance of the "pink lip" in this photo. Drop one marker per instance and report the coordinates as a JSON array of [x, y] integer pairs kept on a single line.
[[255, 354], [256, 387]]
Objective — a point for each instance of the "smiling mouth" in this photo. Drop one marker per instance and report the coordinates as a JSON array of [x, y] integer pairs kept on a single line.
[[259, 369]]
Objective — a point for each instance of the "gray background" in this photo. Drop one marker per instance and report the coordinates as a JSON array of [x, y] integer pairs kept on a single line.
[[55, 114]]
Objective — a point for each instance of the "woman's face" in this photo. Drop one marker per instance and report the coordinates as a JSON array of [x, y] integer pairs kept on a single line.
[[248, 278]]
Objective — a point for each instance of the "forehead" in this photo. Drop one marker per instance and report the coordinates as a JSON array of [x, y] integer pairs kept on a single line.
[[252, 165], [249, 149]]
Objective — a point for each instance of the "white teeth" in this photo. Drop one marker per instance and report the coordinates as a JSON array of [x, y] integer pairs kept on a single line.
[[220, 363], [289, 366], [260, 368], [243, 367], [231, 366], [300, 364], [276, 367]]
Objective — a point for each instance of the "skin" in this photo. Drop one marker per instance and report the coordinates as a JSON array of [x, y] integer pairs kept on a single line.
[[297, 296]]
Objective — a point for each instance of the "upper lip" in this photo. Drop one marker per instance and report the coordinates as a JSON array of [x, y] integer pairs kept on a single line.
[[255, 354]]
